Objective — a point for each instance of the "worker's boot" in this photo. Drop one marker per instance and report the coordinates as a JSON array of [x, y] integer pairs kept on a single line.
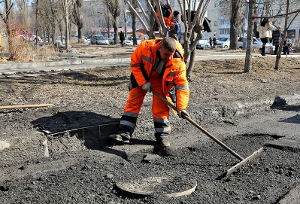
[[121, 137], [163, 141]]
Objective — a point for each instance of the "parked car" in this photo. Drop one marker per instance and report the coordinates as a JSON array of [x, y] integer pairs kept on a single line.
[[203, 44], [99, 40], [223, 43], [257, 44], [130, 41], [84, 39], [111, 41], [60, 39], [26, 35]]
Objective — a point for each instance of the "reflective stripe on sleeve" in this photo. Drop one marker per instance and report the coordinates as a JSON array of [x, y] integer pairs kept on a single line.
[[148, 59], [182, 87], [134, 65]]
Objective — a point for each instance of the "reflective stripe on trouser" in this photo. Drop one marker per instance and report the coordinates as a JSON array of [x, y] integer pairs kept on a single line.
[[160, 110], [132, 109]]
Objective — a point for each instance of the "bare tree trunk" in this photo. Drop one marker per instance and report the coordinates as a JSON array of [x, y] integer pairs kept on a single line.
[[191, 65], [115, 26], [36, 22], [235, 22], [151, 23], [108, 25], [114, 8], [278, 56], [78, 18], [10, 34], [23, 12], [67, 24], [248, 60], [134, 28], [135, 6]]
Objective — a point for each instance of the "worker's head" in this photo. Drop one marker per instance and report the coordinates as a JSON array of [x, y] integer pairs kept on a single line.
[[167, 48]]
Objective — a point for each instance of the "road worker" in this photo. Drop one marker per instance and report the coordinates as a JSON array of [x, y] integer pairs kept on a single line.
[[156, 64]]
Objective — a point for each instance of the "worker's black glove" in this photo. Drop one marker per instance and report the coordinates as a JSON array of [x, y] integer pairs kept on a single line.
[[182, 113]]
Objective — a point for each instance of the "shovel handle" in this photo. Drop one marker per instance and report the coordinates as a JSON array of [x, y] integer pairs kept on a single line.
[[199, 127]]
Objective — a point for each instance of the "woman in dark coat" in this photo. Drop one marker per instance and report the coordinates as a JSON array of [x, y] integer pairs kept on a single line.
[[276, 38]]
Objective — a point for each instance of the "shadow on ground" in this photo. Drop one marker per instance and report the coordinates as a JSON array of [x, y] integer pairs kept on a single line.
[[80, 130]]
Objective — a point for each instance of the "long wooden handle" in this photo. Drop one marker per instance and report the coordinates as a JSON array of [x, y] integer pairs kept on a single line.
[[25, 106], [199, 127]]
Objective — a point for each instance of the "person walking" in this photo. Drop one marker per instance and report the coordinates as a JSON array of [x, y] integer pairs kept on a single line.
[[210, 42], [265, 33], [175, 31], [214, 41], [276, 39], [287, 46], [158, 65], [122, 38]]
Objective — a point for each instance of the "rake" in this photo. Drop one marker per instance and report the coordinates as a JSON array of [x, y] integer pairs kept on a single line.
[[243, 161]]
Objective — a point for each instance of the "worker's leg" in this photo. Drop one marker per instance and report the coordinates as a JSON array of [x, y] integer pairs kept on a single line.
[[130, 115], [161, 116]]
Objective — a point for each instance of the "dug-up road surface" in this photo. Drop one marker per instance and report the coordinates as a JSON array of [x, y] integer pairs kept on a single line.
[[61, 154]]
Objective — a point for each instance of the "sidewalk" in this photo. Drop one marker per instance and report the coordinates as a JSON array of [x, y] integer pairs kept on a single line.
[[73, 64]]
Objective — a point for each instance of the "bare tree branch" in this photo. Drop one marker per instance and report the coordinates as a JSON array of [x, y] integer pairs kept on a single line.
[[139, 17]]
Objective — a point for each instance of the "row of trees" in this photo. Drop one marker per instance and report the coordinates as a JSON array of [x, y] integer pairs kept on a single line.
[[55, 17]]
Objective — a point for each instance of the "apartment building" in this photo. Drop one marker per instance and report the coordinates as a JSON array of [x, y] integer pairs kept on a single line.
[[220, 20]]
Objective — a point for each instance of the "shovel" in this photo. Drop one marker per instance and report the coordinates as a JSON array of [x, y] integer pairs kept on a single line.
[[242, 162]]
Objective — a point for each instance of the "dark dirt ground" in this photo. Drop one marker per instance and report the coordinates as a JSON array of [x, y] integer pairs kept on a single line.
[[84, 168]]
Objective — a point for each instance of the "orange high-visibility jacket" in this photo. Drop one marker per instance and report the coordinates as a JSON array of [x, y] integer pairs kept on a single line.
[[142, 62]]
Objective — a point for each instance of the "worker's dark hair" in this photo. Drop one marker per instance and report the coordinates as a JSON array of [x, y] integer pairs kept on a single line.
[[169, 44]]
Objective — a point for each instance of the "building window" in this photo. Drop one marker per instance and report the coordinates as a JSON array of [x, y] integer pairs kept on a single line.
[[225, 31], [224, 22], [215, 23], [216, 5]]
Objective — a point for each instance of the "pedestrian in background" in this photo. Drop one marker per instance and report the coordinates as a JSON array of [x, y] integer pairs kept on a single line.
[[122, 38], [265, 33], [287, 46], [276, 37], [210, 42], [156, 64], [214, 41], [175, 31]]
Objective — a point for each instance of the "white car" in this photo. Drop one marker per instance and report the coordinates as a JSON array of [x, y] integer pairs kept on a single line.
[[203, 44], [99, 40], [223, 43], [257, 44], [130, 42]]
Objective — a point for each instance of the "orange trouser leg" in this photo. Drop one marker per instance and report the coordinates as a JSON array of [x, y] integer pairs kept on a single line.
[[132, 109], [160, 110]]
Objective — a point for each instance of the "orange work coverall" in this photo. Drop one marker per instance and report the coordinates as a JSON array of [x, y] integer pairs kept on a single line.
[[142, 64]]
